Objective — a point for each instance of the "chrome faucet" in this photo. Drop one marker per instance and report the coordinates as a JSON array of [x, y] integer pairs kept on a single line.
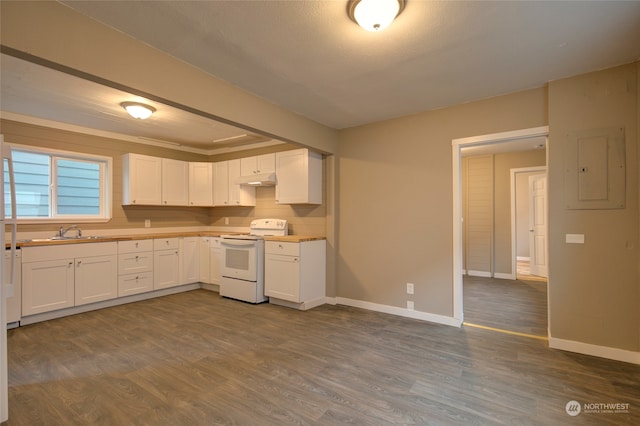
[[62, 231]]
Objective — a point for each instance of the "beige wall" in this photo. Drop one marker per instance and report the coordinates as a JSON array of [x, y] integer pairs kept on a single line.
[[594, 287], [395, 199], [303, 219]]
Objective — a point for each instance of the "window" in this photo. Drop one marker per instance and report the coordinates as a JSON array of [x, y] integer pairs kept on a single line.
[[59, 186]]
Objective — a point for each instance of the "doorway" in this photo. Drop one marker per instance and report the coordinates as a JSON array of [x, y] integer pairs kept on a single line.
[[528, 223], [497, 140]]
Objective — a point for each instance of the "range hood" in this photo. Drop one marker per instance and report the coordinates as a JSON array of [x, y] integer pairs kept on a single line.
[[260, 179]]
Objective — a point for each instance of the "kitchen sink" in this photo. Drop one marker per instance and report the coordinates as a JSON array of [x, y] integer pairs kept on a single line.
[[58, 238]]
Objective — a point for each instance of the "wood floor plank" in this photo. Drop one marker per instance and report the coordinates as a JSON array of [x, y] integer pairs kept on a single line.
[[198, 359]]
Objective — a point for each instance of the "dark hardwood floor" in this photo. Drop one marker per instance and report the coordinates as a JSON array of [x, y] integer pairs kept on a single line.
[[513, 305], [198, 359]]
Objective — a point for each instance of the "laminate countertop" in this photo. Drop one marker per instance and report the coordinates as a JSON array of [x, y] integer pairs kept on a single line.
[[294, 238], [102, 239]]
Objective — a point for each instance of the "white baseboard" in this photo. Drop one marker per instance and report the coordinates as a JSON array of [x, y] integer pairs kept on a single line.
[[502, 276], [403, 312], [523, 258], [473, 273], [304, 306], [595, 350]]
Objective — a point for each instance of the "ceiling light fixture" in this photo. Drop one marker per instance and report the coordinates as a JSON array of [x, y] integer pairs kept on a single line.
[[374, 15], [138, 110]]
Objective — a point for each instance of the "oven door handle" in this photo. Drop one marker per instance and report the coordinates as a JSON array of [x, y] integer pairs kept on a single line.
[[238, 243]]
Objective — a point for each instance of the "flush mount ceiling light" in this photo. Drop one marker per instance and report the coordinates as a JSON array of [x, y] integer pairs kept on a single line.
[[374, 15], [138, 110]]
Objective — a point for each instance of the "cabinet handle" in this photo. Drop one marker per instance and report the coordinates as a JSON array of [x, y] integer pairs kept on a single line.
[[137, 257], [70, 263], [295, 259], [79, 262]]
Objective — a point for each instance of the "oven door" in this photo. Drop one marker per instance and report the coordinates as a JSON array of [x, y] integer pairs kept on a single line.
[[239, 259]]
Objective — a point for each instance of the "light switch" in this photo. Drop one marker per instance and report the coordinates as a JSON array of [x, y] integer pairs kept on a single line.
[[574, 238]]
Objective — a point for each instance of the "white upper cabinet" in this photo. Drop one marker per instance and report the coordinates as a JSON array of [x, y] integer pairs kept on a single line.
[[258, 164], [142, 175], [225, 191], [175, 182], [299, 174], [155, 181], [200, 184], [221, 183]]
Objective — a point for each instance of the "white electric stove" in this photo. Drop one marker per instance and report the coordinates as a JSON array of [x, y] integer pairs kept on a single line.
[[243, 260]]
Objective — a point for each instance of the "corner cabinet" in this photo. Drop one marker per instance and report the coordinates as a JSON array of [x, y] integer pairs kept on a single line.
[[295, 272], [225, 191], [299, 174]]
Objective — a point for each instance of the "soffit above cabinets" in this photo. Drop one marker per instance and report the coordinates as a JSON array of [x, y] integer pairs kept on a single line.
[[33, 91]]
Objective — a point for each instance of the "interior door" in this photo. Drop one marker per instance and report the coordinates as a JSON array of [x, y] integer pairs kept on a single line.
[[538, 225]]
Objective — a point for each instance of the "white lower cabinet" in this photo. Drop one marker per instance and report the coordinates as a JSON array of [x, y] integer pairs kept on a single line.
[[210, 254], [189, 260], [215, 257], [96, 279], [47, 286], [295, 272], [166, 263], [56, 277], [135, 267]]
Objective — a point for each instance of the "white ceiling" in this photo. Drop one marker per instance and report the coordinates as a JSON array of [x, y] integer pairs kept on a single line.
[[310, 58]]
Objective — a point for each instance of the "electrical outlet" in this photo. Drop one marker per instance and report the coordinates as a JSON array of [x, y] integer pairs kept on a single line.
[[410, 305], [147, 223], [409, 288]]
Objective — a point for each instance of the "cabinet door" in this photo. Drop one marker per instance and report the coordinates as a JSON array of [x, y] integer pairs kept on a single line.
[[282, 277], [142, 179], [215, 257], [189, 260], [239, 195], [266, 163], [166, 269], [299, 177], [96, 279], [175, 182], [248, 166], [47, 286], [204, 260], [200, 184], [221, 183]]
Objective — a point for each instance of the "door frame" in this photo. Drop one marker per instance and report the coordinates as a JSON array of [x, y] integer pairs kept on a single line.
[[514, 233], [457, 145]]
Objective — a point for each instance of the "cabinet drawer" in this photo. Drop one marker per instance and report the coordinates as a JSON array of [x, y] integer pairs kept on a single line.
[[130, 263], [135, 283], [287, 249], [135, 246], [166, 243]]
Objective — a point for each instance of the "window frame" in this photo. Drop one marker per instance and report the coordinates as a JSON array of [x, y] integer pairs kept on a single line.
[[106, 184]]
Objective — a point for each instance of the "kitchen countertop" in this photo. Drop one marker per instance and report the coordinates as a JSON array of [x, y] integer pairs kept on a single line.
[[107, 238], [103, 239], [294, 238]]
